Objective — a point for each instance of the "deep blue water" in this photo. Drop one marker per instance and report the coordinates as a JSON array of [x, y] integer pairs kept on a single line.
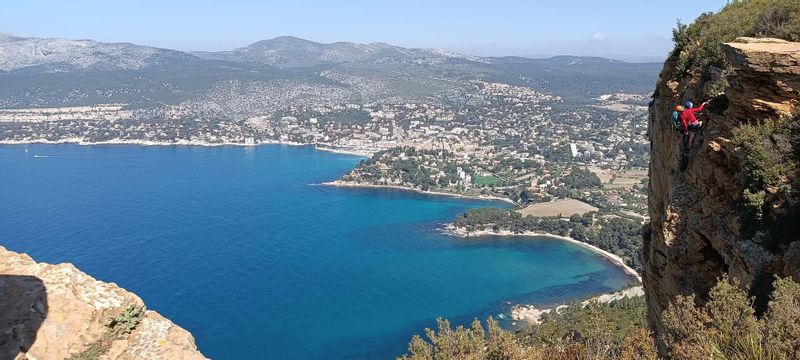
[[236, 245]]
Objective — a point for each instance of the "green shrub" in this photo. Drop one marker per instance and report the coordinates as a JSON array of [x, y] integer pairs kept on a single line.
[[128, 320], [120, 325], [779, 19], [768, 155], [465, 343], [782, 320], [597, 331], [769, 150], [752, 209], [686, 329], [698, 45], [726, 327], [96, 349]]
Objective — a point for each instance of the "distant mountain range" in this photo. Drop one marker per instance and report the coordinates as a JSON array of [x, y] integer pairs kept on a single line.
[[57, 72], [292, 52], [282, 52], [69, 55]]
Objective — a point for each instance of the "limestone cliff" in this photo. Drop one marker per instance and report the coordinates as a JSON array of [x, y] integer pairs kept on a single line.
[[56, 311], [694, 199]]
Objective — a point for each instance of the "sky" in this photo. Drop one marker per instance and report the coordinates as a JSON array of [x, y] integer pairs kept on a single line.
[[623, 29]]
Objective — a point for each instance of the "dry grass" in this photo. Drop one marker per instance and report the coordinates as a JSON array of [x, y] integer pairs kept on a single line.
[[564, 208], [604, 175]]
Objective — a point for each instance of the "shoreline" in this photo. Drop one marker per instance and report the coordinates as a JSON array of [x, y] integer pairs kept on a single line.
[[79, 141], [184, 142], [533, 315], [338, 183], [613, 258], [520, 312], [364, 154]]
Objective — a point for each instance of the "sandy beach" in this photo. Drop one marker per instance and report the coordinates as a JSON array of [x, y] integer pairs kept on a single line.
[[615, 259], [396, 187], [335, 150]]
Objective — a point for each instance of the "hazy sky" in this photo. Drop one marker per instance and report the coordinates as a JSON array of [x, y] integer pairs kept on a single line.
[[614, 28]]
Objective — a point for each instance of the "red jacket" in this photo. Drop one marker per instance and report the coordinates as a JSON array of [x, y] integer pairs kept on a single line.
[[687, 116]]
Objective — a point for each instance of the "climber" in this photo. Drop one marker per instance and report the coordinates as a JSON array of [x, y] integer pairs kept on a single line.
[[690, 122], [676, 118]]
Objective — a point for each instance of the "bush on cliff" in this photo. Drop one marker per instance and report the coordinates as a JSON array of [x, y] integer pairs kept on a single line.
[[779, 19], [597, 331], [726, 326], [609, 324], [698, 45], [770, 150], [466, 343]]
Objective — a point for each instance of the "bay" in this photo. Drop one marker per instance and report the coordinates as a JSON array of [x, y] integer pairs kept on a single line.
[[240, 247]]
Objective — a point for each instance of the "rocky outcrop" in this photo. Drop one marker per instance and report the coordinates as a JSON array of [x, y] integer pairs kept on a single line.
[[56, 311], [767, 78], [695, 232]]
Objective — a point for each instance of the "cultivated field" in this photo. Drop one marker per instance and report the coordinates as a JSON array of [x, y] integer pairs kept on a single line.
[[627, 179]]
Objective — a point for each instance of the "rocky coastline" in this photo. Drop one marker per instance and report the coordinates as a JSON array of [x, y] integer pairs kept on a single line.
[[533, 315]]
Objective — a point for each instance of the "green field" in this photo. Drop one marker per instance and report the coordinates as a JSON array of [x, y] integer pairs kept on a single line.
[[487, 181]]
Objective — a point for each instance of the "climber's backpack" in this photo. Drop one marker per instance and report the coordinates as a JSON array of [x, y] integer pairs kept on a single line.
[[676, 121]]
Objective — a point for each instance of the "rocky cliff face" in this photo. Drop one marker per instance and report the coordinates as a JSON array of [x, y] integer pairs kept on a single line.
[[696, 233], [56, 311]]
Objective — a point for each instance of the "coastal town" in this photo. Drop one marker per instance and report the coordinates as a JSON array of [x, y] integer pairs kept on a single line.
[[405, 180], [499, 140]]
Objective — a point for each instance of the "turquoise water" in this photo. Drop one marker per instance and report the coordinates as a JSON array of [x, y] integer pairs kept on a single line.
[[236, 245]]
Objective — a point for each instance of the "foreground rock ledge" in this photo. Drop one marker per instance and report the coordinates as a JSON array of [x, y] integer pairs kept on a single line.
[[52, 311]]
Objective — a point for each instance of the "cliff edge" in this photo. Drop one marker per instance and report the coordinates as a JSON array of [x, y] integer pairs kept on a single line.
[[58, 312], [696, 197]]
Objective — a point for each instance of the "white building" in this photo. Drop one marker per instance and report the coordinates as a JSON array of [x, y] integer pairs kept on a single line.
[[574, 149]]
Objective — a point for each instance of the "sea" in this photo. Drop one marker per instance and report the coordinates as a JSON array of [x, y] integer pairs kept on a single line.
[[242, 247]]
